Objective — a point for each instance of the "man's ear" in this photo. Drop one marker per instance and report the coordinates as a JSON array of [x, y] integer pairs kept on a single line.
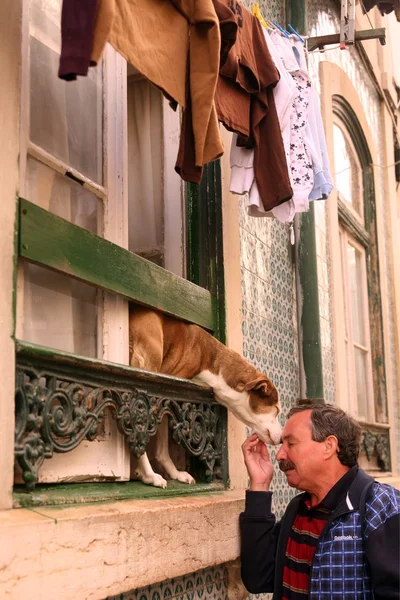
[[331, 446]]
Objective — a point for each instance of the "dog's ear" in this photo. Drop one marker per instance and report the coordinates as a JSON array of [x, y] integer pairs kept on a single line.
[[262, 385]]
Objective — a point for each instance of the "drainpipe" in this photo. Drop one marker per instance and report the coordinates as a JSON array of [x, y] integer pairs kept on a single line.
[[307, 297]]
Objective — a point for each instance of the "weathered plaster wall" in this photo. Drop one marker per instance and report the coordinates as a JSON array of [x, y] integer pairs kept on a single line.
[[10, 57]]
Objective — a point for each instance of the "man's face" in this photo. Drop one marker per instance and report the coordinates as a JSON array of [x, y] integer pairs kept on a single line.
[[300, 457]]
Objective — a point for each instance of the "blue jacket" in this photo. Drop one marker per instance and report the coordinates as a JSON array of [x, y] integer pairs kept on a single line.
[[353, 560]]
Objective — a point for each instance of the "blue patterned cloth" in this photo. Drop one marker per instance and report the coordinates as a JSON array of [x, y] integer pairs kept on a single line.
[[340, 569], [357, 558]]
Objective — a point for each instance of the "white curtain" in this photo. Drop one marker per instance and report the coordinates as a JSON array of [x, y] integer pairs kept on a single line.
[[145, 171]]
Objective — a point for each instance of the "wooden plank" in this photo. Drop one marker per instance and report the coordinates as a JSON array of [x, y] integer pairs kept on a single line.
[[55, 243], [334, 38]]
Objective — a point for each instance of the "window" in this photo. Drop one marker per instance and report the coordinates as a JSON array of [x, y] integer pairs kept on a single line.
[[362, 315], [358, 352], [99, 153]]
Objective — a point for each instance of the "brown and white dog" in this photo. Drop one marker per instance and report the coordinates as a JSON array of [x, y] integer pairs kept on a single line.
[[166, 345]]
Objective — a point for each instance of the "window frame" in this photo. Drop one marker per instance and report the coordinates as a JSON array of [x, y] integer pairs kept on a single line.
[[194, 303]]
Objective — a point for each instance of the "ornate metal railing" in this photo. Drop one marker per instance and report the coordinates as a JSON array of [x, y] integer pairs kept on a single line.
[[376, 442], [61, 400]]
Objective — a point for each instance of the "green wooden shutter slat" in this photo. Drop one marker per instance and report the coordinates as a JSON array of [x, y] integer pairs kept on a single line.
[[55, 243]]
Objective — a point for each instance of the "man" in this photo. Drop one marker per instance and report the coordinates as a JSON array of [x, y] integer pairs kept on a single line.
[[322, 548]]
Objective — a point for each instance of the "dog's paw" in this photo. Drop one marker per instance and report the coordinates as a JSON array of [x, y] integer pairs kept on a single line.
[[157, 481], [154, 479], [184, 477]]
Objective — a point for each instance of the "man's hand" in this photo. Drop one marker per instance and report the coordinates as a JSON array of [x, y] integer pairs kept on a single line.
[[258, 464]]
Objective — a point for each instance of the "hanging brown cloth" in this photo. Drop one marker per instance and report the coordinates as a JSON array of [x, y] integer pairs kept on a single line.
[[245, 103], [165, 40], [185, 164]]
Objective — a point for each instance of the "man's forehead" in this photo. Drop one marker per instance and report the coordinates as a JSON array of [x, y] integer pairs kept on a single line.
[[298, 423]]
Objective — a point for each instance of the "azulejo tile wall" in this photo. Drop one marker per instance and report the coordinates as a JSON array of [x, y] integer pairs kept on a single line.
[[269, 319], [208, 584], [269, 314]]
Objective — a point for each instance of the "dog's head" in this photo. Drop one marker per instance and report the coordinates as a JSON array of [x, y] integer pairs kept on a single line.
[[262, 408]]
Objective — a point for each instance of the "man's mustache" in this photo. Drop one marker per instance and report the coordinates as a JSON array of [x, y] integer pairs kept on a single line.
[[285, 465]]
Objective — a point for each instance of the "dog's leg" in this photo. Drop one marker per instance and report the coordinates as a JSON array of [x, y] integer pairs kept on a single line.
[[163, 457], [145, 473]]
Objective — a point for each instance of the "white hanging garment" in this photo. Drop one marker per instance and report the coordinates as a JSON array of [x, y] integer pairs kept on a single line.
[[300, 152], [303, 136], [315, 135], [241, 159]]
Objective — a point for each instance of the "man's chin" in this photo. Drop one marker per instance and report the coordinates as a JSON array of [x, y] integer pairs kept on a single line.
[[288, 474]]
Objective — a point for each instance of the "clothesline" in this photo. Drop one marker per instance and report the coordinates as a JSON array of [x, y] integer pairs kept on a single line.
[[370, 165]]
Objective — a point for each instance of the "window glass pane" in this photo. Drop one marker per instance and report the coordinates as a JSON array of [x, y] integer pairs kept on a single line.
[[354, 258], [66, 117], [59, 311], [145, 170], [63, 197], [348, 173], [361, 382]]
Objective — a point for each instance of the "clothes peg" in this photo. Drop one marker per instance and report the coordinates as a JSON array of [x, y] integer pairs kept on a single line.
[[255, 9], [285, 33], [292, 30]]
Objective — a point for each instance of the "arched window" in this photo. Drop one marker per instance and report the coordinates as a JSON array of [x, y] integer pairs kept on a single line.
[[366, 380]]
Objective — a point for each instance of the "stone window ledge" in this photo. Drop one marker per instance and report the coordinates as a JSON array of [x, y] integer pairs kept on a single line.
[[94, 551]]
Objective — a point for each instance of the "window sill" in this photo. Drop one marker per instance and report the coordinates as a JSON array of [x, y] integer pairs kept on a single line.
[[98, 550], [84, 493]]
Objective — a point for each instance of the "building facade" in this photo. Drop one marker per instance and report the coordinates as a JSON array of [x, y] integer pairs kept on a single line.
[[320, 317]]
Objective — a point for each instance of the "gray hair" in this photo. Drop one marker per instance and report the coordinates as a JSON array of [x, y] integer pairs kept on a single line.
[[326, 420]]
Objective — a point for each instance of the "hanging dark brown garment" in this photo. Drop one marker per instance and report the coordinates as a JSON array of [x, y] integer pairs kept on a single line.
[[245, 104], [78, 21]]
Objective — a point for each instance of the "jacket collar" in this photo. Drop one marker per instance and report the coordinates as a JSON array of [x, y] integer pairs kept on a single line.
[[338, 492], [351, 501]]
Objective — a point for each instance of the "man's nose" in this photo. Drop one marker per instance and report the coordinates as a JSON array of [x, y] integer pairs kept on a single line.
[[281, 454]]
